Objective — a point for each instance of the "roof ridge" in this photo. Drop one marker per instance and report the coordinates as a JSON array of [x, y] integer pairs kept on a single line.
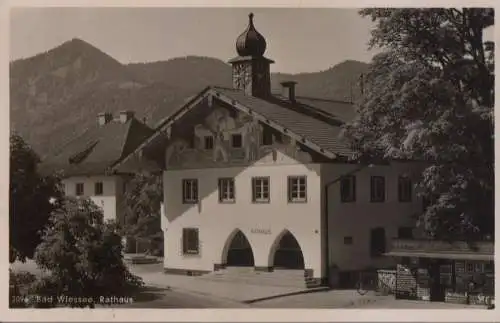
[[323, 99]]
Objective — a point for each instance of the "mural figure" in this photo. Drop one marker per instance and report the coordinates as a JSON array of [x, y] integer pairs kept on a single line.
[[175, 150], [219, 148], [251, 140]]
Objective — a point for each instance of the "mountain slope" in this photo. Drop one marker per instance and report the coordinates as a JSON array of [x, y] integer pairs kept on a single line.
[[57, 94]]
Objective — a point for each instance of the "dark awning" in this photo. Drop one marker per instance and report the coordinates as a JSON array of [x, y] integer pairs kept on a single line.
[[441, 255]]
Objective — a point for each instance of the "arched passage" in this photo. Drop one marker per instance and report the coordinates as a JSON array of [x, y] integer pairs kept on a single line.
[[238, 251], [286, 252]]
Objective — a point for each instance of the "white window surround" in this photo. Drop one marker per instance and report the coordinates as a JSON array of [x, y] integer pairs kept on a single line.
[[377, 187], [297, 189], [79, 189], [189, 191], [260, 189], [226, 190]]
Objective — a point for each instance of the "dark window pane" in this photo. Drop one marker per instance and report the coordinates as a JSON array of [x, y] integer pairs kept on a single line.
[[237, 141], [209, 142]]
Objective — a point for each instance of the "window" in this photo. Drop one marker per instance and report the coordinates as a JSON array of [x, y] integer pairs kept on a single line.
[[267, 136], [377, 189], [236, 141], [79, 189], [404, 189], [260, 189], [348, 240], [478, 267], [348, 189], [190, 241], [297, 189], [189, 191], [469, 267], [209, 142], [405, 233], [377, 242], [226, 190], [98, 188]]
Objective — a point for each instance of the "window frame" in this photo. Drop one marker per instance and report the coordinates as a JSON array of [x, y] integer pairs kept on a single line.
[[96, 185], [375, 250], [403, 179], [193, 190], [265, 180], [352, 181], [77, 191], [373, 189], [208, 140], [402, 229], [290, 186], [237, 135], [186, 247], [267, 133], [222, 189]]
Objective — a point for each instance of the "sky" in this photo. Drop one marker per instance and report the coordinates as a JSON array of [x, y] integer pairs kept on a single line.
[[298, 40]]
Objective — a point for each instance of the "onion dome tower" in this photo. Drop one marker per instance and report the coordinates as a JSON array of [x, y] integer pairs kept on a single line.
[[251, 72]]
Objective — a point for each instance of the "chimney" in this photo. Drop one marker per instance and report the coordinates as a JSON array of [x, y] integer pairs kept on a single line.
[[125, 116], [289, 90], [104, 118]]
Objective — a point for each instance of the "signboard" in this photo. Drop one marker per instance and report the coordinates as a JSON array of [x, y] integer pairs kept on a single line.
[[260, 231]]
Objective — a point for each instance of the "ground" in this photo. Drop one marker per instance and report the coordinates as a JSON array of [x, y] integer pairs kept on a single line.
[[167, 297]]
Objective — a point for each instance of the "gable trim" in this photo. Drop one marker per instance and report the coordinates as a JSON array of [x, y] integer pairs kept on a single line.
[[165, 127]]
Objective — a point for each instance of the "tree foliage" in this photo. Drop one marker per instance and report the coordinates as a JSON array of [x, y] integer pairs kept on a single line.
[[83, 256], [429, 96], [32, 198], [143, 198]]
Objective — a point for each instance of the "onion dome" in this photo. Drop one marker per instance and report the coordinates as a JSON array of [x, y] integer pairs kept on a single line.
[[250, 42]]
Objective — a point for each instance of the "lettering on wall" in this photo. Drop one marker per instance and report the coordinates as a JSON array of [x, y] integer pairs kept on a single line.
[[260, 231]]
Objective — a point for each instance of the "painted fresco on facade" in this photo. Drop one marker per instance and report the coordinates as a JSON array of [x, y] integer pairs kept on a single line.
[[220, 127]]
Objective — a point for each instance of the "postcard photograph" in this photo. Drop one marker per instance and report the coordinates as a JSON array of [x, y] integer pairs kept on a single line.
[[251, 158]]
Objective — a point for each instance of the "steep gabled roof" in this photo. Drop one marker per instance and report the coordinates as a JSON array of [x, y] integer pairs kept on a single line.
[[98, 148], [316, 123], [305, 120]]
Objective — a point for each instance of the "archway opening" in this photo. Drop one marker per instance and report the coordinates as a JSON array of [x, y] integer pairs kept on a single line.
[[240, 252], [288, 254]]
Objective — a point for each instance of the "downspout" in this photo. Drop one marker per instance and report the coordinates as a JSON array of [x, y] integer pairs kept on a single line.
[[325, 212]]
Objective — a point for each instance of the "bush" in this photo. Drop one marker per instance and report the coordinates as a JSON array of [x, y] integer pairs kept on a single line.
[[19, 286], [84, 257]]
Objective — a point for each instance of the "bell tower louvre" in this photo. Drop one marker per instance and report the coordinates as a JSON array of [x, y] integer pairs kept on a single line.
[[251, 72]]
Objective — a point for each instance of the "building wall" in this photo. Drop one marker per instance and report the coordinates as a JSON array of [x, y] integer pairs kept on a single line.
[[262, 224], [356, 219], [110, 201]]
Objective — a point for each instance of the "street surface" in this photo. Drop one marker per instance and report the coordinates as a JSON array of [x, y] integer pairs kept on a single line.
[[156, 297]]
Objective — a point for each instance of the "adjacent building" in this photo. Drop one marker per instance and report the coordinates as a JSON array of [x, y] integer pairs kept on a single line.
[[85, 162], [264, 180]]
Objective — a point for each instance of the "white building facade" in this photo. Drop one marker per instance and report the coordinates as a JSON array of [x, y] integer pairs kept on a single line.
[[265, 181], [107, 192]]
